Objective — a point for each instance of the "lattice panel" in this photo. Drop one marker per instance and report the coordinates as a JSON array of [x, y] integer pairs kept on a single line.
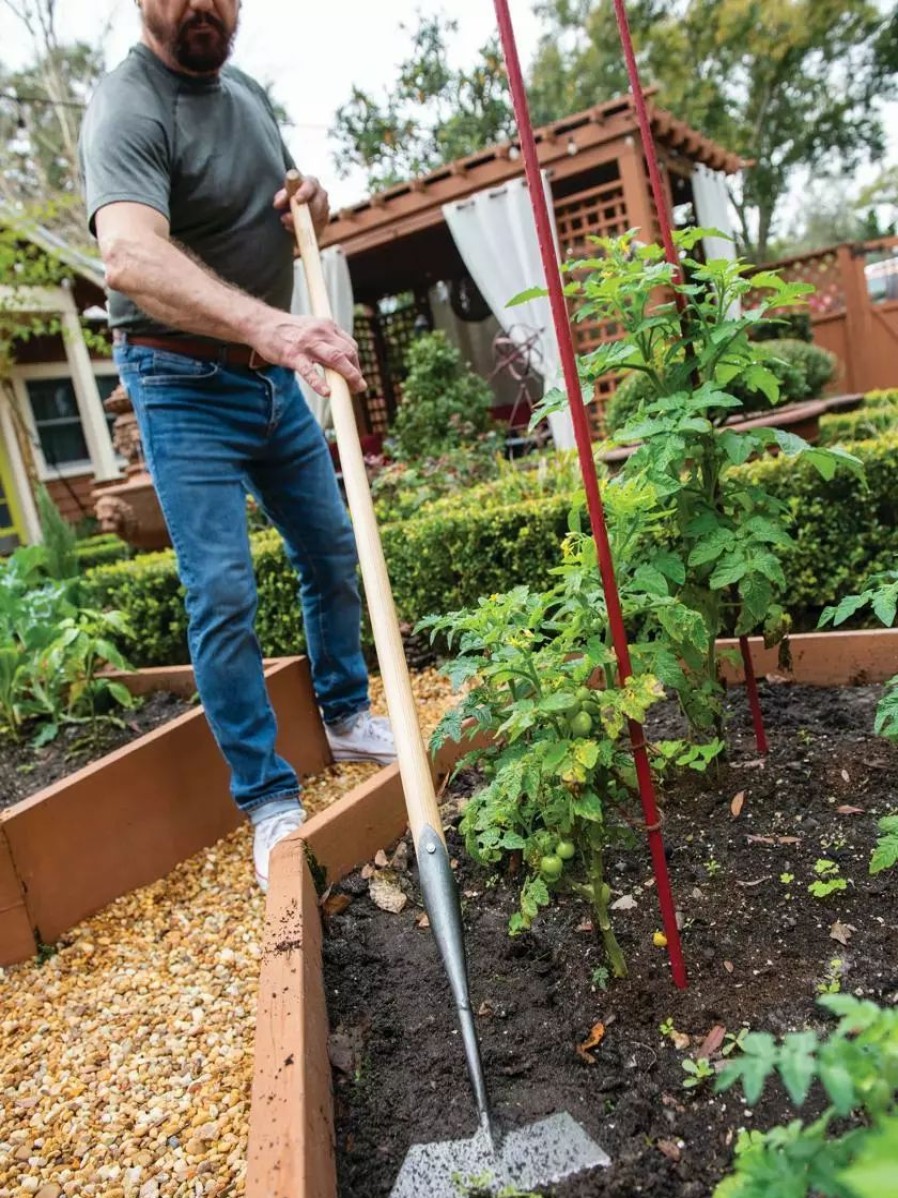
[[823, 272], [598, 212], [374, 400]]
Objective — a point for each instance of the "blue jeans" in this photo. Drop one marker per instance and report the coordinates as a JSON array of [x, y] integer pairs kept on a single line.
[[211, 434]]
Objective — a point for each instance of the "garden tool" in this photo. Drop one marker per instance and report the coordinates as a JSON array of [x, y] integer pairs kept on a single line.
[[489, 1162]]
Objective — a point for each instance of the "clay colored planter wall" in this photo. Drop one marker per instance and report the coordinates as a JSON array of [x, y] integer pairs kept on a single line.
[[291, 1146], [823, 658], [130, 818]]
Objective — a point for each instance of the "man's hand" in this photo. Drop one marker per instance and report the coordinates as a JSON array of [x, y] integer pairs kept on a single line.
[[302, 343], [312, 193]]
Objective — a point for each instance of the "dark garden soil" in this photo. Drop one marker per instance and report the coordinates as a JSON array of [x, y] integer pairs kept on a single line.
[[25, 770], [758, 949]]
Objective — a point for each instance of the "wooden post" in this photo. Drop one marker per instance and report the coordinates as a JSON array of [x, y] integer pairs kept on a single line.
[[854, 288], [636, 189], [90, 406]]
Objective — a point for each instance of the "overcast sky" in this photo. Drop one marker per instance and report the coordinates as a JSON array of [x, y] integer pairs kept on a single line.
[[313, 51]]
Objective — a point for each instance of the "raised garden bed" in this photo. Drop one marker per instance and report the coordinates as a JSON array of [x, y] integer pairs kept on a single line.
[[758, 949], [25, 770], [543, 1002], [126, 820]]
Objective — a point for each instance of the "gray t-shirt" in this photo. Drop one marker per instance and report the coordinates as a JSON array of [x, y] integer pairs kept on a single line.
[[208, 155]]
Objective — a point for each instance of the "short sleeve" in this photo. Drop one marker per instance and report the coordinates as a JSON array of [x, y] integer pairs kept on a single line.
[[125, 157]]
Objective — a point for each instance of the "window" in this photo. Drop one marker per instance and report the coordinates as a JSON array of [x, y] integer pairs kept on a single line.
[[57, 420]]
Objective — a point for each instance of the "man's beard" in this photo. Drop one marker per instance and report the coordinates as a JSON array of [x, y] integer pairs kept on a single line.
[[201, 43]]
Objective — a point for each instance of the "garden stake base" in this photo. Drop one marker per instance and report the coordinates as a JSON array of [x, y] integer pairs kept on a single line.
[[546, 1152]]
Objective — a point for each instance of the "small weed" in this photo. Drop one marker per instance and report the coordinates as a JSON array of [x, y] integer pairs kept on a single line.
[[805, 737], [787, 879], [699, 1072], [831, 982], [667, 1029], [600, 977], [712, 867], [734, 1041], [46, 952], [829, 879]]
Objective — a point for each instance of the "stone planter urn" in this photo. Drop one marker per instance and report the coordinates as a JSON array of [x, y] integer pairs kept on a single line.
[[130, 509]]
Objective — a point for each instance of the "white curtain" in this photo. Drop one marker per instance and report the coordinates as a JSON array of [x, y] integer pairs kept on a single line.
[[339, 289], [495, 233], [712, 210]]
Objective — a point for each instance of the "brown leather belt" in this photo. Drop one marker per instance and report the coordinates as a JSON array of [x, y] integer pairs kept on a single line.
[[225, 353]]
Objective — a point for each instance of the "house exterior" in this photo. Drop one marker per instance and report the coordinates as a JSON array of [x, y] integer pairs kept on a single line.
[[53, 427]]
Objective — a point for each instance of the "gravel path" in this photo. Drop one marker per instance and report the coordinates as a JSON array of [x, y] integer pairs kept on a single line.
[[126, 1057]]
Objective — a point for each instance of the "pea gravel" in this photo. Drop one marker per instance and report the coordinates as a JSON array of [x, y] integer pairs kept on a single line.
[[126, 1056]]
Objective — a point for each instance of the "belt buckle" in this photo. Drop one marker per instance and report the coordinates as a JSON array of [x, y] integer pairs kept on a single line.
[[256, 361]]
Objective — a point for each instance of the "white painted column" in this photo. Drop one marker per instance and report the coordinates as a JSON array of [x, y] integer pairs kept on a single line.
[[90, 406], [24, 496]]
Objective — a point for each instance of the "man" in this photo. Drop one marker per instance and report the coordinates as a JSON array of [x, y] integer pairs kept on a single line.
[[183, 167]]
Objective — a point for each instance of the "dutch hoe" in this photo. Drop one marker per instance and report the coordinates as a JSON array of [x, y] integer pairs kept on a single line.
[[522, 1158]]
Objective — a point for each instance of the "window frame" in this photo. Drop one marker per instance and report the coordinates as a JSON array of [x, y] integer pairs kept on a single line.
[[22, 375]]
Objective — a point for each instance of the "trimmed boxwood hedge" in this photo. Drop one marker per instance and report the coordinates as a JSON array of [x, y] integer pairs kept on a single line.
[[878, 414], [101, 550], [443, 560]]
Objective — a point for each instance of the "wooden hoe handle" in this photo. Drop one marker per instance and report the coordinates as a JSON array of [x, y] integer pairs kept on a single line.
[[414, 763]]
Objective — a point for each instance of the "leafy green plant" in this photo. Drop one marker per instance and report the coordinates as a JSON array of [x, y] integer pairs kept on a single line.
[[724, 533], [885, 854], [559, 774], [734, 1042], [829, 879], [444, 404], [831, 983], [600, 977], [857, 1068], [697, 1072], [881, 596], [52, 651]]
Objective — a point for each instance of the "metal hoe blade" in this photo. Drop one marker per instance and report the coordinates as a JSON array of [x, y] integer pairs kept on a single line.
[[543, 1153]]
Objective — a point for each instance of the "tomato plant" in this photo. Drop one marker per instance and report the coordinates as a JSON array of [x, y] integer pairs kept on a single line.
[[538, 672], [719, 537]]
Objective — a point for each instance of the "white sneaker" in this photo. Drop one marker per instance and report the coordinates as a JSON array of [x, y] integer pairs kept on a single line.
[[268, 833], [368, 738]]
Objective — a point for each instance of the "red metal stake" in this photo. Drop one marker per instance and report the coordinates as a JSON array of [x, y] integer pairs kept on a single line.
[[754, 702], [590, 480], [651, 157]]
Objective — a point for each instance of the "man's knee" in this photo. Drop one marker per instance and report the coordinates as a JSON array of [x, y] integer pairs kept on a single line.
[[225, 595]]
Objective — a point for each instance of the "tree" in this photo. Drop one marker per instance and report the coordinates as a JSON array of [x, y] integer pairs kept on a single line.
[[434, 114], [40, 119], [792, 84]]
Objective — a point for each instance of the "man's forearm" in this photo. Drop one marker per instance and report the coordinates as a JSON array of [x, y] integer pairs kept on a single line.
[[172, 287]]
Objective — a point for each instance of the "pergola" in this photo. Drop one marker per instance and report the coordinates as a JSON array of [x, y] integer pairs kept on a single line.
[[397, 243]]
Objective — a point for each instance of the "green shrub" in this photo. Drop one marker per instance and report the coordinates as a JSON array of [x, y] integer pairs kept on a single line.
[[801, 370], [881, 399], [58, 538], [444, 403], [452, 554], [102, 550], [838, 428], [796, 326]]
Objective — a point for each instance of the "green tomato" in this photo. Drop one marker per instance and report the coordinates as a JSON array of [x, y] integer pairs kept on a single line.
[[551, 868], [567, 702], [566, 850], [584, 694], [581, 724]]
